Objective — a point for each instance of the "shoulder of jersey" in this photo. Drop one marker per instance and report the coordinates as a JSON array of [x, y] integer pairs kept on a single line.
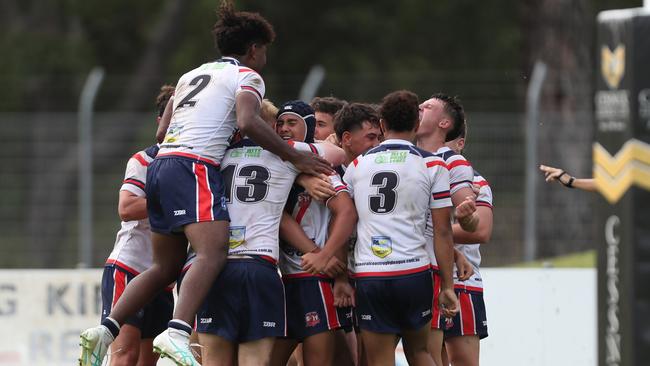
[[146, 156]]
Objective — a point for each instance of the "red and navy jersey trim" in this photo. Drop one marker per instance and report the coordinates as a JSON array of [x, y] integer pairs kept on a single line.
[[134, 182], [441, 195]]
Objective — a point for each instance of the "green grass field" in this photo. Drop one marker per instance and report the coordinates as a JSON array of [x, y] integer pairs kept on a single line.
[[576, 260]]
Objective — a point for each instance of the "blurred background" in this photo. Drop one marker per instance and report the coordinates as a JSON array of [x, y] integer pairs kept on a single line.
[[481, 51]]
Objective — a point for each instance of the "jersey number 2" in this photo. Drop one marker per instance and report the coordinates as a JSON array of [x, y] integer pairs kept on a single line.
[[253, 190], [386, 198], [201, 82]]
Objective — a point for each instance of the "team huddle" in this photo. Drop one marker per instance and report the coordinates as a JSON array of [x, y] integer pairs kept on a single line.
[[314, 234]]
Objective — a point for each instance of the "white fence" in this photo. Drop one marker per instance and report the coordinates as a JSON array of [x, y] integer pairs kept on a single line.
[[535, 316]]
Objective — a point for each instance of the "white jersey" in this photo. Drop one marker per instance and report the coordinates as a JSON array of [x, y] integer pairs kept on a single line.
[[352, 240], [132, 250], [461, 175], [394, 185], [471, 251], [257, 185], [314, 218], [204, 118]]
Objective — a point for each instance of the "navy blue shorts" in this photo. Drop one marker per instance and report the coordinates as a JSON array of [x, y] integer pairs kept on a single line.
[[245, 303], [394, 304], [310, 307], [182, 191], [470, 320], [152, 319]]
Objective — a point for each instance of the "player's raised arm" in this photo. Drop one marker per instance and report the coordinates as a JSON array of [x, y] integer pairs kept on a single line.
[[252, 125]]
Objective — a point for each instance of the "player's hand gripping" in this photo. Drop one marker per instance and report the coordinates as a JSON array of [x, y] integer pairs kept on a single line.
[[310, 163], [343, 293], [466, 208], [335, 267], [316, 262], [318, 187], [448, 303], [464, 268]]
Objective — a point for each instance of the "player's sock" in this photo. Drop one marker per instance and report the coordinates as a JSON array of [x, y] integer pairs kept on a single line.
[[180, 325], [112, 325]]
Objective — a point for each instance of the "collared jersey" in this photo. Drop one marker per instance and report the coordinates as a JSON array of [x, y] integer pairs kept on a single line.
[[257, 185], [314, 218], [204, 118], [394, 185], [472, 251], [132, 250], [461, 175]]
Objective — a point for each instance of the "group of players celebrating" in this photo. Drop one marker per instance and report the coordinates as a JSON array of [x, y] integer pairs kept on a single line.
[[330, 226]]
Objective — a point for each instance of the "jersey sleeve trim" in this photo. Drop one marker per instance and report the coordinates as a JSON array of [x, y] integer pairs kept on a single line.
[[441, 195], [481, 183], [468, 182], [135, 182], [457, 163], [250, 89], [133, 189], [484, 204], [140, 159], [431, 164]]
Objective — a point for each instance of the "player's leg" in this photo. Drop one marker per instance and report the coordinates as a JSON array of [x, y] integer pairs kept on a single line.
[[318, 349], [345, 349], [435, 345], [463, 350], [379, 347], [168, 258], [209, 241], [282, 350], [125, 349], [256, 352], [415, 346], [217, 351], [146, 356]]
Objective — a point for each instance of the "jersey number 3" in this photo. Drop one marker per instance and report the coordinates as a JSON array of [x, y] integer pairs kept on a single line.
[[255, 187], [384, 201]]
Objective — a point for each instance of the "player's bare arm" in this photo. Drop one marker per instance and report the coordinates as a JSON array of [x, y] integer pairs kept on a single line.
[[252, 125], [343, 221], [444, 250], [292, 233], [131, 206], [343, 292], [483, 231], [464, 269]]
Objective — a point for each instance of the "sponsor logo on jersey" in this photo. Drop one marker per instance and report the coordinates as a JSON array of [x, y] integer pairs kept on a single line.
[[382, 246], [391, 157], [312, 319], [426, 312], [268, 324], [179, 212], [237, 236], [206, 320], [248, 152]]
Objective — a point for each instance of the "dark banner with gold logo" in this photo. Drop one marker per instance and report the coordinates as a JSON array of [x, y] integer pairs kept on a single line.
[[621, 155]]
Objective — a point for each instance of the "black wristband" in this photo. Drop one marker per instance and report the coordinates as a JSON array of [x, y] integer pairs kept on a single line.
[[570, 183]]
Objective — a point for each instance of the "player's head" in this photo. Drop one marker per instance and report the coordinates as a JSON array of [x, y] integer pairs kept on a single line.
[[295, 121], [165, 94], [400, 111], [357, 128], [325, 108], [268, 112], [442, 112], [458, 144], [243, 35]]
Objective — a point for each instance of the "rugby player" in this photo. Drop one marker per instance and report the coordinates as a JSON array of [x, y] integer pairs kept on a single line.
[[325, 108], [186, 200], [394, 185], [312, 316], [244, 311], [464, 331]]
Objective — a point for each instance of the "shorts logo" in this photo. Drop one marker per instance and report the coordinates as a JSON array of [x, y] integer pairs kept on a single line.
[[206, 320], [223, 203], [449, 323], [311, 319], [268, 324], [366, 317], [179, 212], [382, 246], [237, 236], [425, 313]]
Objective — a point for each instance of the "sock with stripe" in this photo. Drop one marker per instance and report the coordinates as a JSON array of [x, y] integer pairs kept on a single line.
[[180, 325], [112, 325]]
